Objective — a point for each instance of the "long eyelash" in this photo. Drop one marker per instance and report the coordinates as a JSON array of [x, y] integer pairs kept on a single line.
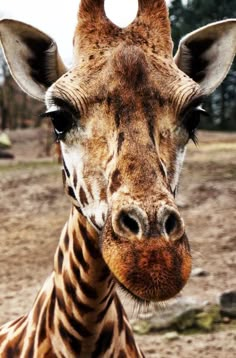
[[194, 137], [44, 115], [191, 122], [63, 121], [197, 102], [54, 136]]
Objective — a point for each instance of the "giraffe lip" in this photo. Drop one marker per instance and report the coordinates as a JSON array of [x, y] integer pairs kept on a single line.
[[131, 294]]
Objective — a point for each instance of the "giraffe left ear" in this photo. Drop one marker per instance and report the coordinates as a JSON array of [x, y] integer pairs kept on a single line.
[[32, 57], [206, 54]]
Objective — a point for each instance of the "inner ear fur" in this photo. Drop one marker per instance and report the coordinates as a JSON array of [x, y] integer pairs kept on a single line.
[[206, 54], [32, 57]]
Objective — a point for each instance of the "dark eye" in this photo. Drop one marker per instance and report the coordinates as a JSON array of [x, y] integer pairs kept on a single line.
[[191, 121], [62, 120]]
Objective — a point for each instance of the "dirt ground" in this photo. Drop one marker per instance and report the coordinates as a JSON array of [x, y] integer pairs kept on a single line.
[[33, 210]]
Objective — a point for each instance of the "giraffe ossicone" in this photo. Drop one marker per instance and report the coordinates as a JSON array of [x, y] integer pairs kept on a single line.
[[123, 115]]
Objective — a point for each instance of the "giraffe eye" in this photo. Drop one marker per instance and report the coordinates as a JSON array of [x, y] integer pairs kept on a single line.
[[62, 121], [191, 121]]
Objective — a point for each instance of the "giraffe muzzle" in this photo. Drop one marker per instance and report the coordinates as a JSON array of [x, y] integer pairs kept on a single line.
[[149, 255], [151, 269]]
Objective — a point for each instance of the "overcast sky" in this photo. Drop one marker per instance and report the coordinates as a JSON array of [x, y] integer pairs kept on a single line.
[[58, 17]]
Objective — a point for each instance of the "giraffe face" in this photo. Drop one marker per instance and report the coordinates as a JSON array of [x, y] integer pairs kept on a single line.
[[123, 115], [123, 146]]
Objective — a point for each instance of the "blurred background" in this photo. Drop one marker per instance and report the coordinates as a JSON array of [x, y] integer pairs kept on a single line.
[[201, 322]]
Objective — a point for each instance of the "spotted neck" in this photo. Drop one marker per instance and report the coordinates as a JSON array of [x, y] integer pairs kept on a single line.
[[77, 312], [84, 286], [88, 314]]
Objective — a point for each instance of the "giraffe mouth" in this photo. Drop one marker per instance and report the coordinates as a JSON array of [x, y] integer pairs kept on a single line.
[[132, 295], [150, 269]]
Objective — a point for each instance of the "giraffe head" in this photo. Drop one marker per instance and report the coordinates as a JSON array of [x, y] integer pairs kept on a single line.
[[123, 115]]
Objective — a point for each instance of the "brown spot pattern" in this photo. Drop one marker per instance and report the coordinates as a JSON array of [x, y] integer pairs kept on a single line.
[[83, 197], [115, 181]]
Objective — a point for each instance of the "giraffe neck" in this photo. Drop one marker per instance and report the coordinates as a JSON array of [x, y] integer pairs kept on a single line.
[[77, 312], [84, 287]]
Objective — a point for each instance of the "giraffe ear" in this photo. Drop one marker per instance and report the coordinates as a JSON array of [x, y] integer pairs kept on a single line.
[[32, 57], [206, 54]]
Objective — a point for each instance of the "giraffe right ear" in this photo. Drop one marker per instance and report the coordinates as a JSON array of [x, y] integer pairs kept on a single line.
[[206, 54], [32, 57]]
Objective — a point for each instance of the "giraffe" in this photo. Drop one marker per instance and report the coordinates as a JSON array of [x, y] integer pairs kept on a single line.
[[123, 115]]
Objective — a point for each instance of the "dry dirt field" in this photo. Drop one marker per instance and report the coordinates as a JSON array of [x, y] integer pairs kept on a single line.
[[33, 210]]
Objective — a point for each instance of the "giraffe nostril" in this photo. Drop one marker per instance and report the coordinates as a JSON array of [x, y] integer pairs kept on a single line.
[[129, 223], [171, 223]]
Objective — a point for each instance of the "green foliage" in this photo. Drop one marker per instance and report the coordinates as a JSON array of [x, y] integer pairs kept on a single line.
[[190, 15]]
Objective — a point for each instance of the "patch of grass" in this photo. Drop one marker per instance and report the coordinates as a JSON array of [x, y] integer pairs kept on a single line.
[[29, 165]]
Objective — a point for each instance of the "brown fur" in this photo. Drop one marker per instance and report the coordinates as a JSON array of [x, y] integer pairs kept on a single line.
[[129, 92]]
